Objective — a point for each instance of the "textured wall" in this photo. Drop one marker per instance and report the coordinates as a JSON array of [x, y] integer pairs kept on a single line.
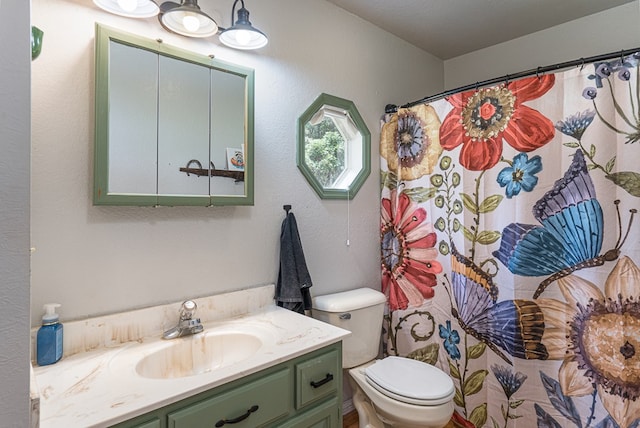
[[14, 212], [609, 31], [106, 259]]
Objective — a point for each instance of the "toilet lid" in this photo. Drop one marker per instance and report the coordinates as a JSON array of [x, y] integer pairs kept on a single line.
[[410, 381]]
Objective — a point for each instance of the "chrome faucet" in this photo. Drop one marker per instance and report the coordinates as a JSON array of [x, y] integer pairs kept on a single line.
[[187, 324]]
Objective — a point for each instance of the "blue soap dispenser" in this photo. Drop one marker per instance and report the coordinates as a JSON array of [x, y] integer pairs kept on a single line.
[[49, 338]]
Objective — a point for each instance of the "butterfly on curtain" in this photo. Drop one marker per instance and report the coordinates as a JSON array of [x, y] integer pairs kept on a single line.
[[569, 237], [516, 326]]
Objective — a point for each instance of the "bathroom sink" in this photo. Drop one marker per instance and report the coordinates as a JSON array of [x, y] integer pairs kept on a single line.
[[197, 354]]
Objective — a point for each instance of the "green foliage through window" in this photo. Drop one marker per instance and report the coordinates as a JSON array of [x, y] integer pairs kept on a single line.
[[333, 147], [325, 151]]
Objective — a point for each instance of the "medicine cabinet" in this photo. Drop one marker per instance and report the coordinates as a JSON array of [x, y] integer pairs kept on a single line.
[[172, 127]]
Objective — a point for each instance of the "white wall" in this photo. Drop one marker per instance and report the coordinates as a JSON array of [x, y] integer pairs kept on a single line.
[[97, 260], [609, 31], [15, 62], [106, 259]]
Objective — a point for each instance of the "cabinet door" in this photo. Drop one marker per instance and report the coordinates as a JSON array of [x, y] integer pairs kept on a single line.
[[326, 415], [183, 126], [151, 424], [228, 130], [133, 127], [251, 405], [317, 378]]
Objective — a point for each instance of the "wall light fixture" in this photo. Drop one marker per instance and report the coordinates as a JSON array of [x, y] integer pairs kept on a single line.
[[187, 19], [242, 35], [129, 8]]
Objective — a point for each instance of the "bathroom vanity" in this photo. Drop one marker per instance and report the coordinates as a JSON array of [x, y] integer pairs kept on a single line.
[[254, 365], [305, 392]]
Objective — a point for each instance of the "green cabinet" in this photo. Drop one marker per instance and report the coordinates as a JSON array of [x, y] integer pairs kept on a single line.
[[151, 423], [315, 378], [305, 392], [250, 405], [324, 415]]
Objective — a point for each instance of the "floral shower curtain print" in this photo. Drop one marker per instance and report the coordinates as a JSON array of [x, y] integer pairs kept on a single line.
[[510, 251]]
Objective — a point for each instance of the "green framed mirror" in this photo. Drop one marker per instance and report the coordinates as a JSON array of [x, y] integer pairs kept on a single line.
[[333, 147], [172, 127]]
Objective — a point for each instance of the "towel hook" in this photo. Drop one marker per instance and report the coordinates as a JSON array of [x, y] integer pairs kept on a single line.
[[287, 208]]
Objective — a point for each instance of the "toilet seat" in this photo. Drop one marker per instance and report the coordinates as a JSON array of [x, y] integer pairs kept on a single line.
[[410, 381]]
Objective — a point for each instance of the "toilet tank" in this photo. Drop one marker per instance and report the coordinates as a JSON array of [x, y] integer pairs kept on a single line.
[[360, 311]]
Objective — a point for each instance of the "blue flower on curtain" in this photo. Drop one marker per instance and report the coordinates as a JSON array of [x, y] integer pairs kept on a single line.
[[620, 66], [590, 93], [451, 339], [575, 125], [508, 380], [521, 175], [627, 121]]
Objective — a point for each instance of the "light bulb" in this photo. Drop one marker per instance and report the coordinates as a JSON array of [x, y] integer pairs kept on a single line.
[[128, 5], [191, 22], [243, 37]]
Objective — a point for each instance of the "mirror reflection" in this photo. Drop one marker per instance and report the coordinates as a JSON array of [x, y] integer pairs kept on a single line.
[[172, 127]]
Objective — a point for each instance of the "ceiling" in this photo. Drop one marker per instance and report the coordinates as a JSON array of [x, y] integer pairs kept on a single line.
[[449, 28]]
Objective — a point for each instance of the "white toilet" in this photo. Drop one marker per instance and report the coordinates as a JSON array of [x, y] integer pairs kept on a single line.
[[394, 391]]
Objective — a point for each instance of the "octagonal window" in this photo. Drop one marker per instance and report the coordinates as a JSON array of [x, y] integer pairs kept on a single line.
[[333, 147]]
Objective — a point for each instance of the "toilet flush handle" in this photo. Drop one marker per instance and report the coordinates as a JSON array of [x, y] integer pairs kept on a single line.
[[345, 316]]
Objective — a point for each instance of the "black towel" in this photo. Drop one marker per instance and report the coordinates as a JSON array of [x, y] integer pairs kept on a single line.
[[294, 281]]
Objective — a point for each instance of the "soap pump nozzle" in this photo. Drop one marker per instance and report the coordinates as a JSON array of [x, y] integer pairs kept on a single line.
[[50, 316]]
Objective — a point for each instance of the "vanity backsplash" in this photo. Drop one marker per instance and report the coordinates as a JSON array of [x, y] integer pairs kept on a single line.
[[115, 329]]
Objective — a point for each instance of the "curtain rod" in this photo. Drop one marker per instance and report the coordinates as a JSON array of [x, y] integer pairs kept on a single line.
[[392, 108]]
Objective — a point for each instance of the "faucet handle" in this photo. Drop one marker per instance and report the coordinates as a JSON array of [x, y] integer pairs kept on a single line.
[[188, 310]]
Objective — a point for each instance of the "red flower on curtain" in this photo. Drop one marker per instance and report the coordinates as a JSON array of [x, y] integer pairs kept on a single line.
[[457, 421], [481, 119], [409, 265]]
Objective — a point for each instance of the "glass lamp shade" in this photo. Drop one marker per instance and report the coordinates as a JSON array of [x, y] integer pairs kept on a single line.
[[242, 35], [129, 8], [187, 19], [239, 38]]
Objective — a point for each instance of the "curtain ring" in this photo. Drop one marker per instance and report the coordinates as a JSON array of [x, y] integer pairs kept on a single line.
[[581, 63], [506, 79], [477, 86], [538, 73]]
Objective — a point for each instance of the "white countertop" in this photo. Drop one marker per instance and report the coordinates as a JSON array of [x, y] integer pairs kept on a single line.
[[101, 387]]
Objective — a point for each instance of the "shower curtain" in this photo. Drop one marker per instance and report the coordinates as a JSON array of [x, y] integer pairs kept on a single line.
[[510, 254]]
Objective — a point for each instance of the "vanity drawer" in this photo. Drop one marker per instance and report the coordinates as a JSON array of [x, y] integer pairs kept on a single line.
[[150, 424], [248, 406], [317, 377], [324, 415]]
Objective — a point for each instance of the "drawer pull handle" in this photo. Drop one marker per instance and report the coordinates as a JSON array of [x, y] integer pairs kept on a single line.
[[241, 418], [318, 384]]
